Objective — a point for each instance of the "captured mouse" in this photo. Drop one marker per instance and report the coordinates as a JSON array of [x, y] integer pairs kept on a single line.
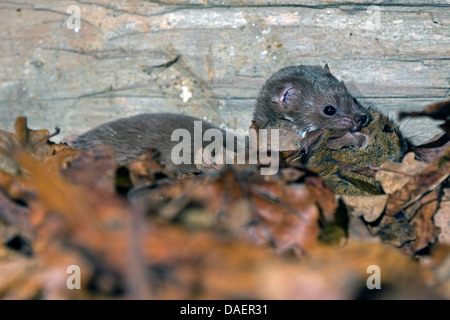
[[307, 98], [379, 142]]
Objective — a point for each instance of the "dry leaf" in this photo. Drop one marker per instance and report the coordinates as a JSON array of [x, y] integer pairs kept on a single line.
[[428, 179], [394, 176], [368, 207], [437, 111], [272, 211], [432, 149], [442, 218], [190, 238], [423, 212]]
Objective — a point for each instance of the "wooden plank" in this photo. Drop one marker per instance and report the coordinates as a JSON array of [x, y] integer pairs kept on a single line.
[[109, 69]]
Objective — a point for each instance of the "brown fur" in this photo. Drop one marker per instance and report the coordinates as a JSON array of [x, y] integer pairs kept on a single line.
[[314, 87], [311, 88], [131, 137], [382, 146]]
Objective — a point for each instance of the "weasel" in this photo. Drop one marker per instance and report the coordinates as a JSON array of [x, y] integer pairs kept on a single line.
[[307, 98], [131, 137]]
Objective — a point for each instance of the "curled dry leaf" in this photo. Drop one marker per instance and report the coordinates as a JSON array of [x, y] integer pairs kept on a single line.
[[437, 111], [423, 212], [432, 149], [409, 216], [394, 176], [37, 143], [442, 218], [428, 179], [368, 207]]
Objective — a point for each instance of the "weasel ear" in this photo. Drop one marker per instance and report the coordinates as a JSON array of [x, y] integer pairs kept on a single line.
[[287, 96], [326, 68]]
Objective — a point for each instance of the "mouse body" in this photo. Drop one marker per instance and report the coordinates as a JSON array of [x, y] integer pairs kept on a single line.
[[379, 142]]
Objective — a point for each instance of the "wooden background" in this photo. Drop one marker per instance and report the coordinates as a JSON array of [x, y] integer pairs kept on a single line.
[[210, 57]]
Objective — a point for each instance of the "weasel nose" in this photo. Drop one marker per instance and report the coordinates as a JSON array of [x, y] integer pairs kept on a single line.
[[362, 120]]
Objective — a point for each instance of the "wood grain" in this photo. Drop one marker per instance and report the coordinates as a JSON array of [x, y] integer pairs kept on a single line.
[[119, 62]]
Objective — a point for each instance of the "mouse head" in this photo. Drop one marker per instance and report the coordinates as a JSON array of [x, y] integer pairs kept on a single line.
[[380, 141], [312, 98]]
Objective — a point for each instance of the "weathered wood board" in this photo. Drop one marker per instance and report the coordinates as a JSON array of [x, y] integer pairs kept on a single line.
[[209, 57]]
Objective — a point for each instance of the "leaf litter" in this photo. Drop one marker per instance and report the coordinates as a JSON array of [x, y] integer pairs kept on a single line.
[[139, 231]]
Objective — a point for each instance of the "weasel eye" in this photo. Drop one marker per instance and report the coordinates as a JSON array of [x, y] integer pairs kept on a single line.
[[387, 129], [329, 110]]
